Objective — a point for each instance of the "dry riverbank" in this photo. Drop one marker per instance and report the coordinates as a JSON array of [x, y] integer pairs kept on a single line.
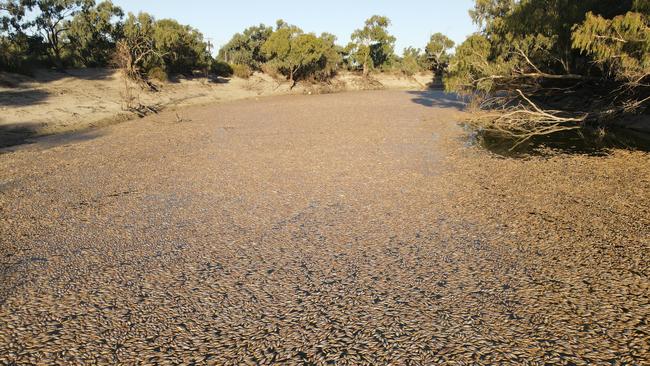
[[54, 102]]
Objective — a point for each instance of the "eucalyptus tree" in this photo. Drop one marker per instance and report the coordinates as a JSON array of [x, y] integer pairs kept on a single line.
[[93, 34], [17, 47], [182, 47], [372, 46], [52, 21], [411, 62], [246, 48], [621, 45], [437, 53], [535, 58]]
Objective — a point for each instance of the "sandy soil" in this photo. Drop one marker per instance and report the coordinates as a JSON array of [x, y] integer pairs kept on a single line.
[[52, 102], [351, 228]]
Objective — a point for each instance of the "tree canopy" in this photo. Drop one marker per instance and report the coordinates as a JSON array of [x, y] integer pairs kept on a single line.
[[298, 55], [437, 53], [72, 33], [181, 46], [538, 56], [246, 48], [85, 33], [621, 46], [52, 21], [372, 46], [92, 34]]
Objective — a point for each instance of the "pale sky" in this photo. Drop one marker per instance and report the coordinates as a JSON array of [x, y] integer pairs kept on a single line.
[[413, 21]]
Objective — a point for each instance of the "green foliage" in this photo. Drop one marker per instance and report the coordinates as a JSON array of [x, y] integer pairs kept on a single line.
[[331, 59], [221, 68], [12, 13], [242, 71], [372, 46], [137, 52], [51, 21], [436, 53], [173, 47], [490, 13], [59, 32], [305, 53], [182, 47], [545, 25], [298, 55], [157, 73], [411, 62], [277, 47], [470, 63], [245, 48], [18, 50], [533, 62], [80, 33], [621, 44], [92, 34], [528, 40], [19, 53], [642, 6]]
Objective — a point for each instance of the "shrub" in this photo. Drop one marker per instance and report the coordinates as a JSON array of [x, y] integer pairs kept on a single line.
[[436, 53], [181, 47], [245, 48], [92, 34], [220, 68], [242, 71], [157, 73], [410, 63], [19, 54], [165, 44], [332, 59], [299, 56], [273, 70], [137, 53], [372, 45]]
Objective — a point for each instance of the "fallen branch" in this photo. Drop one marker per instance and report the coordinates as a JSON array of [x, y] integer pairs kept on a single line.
[[525, 121], [142, 110], [536, 75]]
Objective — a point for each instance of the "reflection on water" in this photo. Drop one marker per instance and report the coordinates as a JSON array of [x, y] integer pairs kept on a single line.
[[580, 141]]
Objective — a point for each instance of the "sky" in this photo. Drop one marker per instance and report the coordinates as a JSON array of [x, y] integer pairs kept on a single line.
[[413, 21]]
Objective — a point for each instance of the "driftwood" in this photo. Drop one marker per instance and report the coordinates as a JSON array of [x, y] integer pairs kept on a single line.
[[528, 104], [142, 110], [525, 121]]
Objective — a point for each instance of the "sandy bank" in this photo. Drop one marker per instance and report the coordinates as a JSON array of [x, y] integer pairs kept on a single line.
[[54, 102]]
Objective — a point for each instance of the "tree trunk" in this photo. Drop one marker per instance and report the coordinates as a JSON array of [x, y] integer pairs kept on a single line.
[[55, 49], [58, 63], [291, 79]]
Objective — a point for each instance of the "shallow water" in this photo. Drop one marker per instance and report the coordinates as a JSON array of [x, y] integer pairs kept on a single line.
[[587, 141]]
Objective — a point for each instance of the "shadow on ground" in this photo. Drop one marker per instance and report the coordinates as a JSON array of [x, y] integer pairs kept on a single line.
[[437, 99], [219, 79], [21, 98], [19, 134], [177, 78], [584, 141], [12, 80]]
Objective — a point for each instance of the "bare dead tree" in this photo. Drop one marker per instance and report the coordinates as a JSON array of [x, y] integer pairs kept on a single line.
[[129, 57]]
